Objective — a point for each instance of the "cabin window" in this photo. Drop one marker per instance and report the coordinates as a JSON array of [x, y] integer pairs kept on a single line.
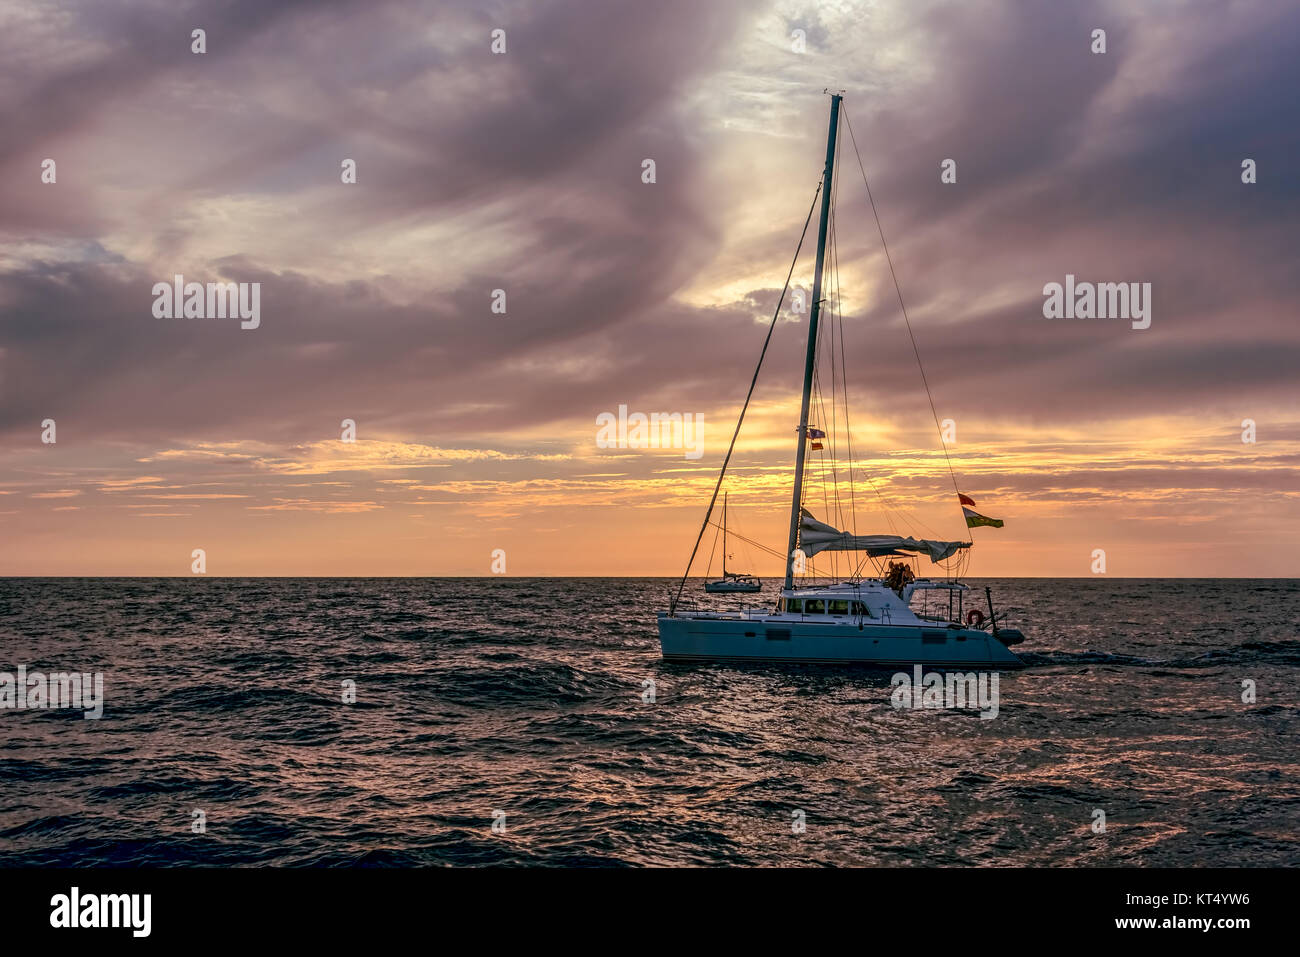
[[839, 606], [794, 604], [861, 610], [814, 606]]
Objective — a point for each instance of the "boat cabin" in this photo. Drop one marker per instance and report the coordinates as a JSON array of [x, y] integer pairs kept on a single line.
[[872, 601]]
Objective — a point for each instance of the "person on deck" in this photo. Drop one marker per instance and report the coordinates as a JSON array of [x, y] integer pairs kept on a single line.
[[898, 576]]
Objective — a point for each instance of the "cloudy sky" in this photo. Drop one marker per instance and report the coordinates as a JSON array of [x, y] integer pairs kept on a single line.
[[523, 171]]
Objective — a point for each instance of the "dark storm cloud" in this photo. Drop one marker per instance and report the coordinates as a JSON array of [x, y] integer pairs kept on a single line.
[[557, 129], [134, 48], [545, 144], [1067, 163]]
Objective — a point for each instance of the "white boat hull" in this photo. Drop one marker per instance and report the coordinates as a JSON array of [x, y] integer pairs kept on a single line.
[[739, 639]]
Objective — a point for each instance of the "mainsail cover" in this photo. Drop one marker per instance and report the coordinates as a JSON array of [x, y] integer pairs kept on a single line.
[[815, 536]]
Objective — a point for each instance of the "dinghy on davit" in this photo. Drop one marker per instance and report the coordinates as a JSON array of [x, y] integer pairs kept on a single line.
[[867, 616]]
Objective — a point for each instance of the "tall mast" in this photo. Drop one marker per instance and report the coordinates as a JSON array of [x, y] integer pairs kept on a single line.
[[810, 361]]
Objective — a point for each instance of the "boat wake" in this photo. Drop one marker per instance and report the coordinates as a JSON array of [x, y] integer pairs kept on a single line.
[[1253, 653]]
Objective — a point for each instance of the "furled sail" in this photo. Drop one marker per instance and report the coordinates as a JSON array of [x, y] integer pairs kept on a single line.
[[815, 536]]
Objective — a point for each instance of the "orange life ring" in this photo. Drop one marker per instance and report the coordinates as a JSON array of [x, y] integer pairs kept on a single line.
[[975, 618]]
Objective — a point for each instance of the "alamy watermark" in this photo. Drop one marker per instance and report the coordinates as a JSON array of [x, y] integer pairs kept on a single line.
[[951, 690], [75, 910], [179, 299], [658, 430], [1102, 300], [58, 689]]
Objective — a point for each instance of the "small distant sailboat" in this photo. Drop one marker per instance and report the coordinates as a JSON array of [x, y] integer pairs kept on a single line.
[[731, 582], [865, 619]]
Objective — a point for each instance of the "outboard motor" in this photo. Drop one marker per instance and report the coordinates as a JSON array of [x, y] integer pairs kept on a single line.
[[1008, 636]]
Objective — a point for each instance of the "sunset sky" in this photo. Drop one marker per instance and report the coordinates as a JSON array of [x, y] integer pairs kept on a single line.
[[522, 171]]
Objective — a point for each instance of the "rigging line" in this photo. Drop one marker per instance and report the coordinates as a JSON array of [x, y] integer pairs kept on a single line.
[[899, 290], [834, 441], [835, 391], [820, 460], [885, 507], [825, 463], [844, 384], [712, 550], [914, 526], [672, 605], [812, 565], [759, 545], [844, 516], [749, 558], [819, 400], [836, 373], [844, 374], [833, 432], [848, 521], [827, 512], [848, 430]]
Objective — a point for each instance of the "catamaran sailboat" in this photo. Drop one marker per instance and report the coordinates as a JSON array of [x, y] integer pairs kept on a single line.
[[864, 619], [732, 582]]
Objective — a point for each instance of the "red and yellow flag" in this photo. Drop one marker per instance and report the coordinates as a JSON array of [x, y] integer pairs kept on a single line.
[[974, 518]]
